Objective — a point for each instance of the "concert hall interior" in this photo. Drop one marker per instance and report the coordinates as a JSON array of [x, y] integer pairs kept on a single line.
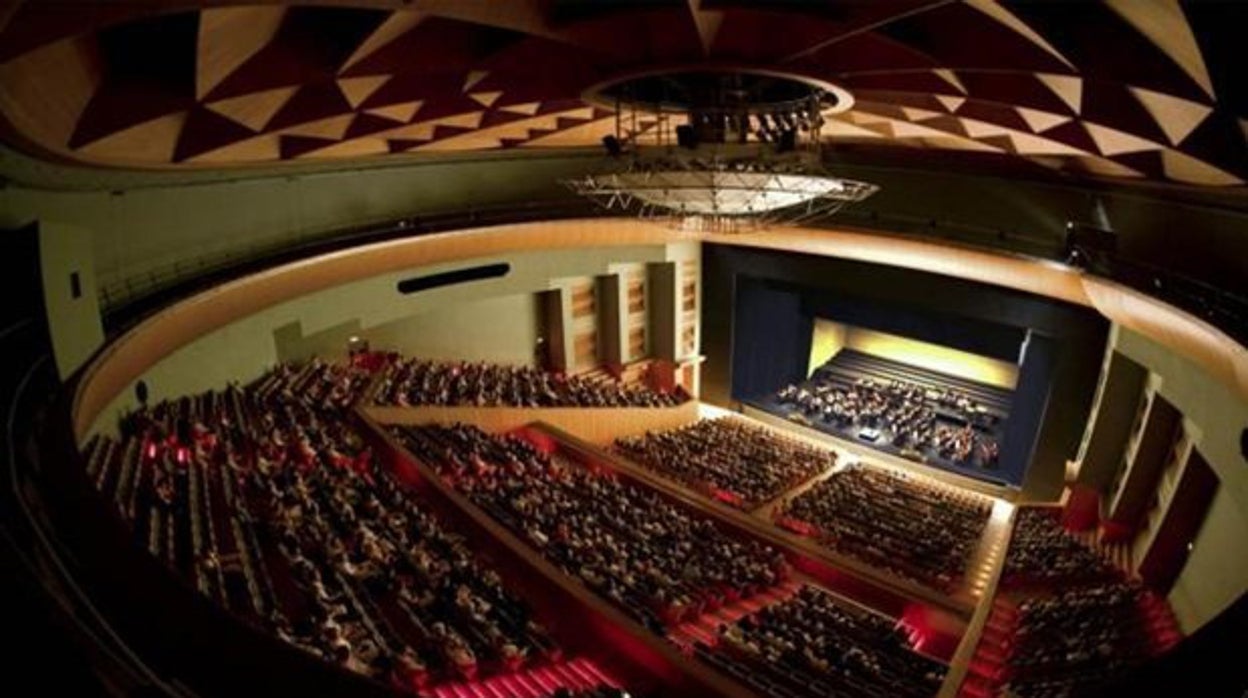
[[605, 348]]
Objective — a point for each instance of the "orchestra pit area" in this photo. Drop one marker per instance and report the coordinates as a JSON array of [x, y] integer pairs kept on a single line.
[[284, 503]]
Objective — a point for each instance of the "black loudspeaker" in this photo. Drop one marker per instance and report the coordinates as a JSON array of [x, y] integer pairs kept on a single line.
[[612, 144], [1089, 245], [787, 141], [686, 136]]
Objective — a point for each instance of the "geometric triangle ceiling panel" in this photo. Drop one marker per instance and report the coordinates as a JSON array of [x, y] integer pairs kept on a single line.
[[951, 102], [1112, 142], [1175, 116], [1114, 105], [228, 37], [333, 128], [295, 146], [1105, 43], [1040, 121], [357, 147], [265, 147], [1005, 17], [311, 103], [1162, 21], [206, 130], [1117, 88], [944, 33], [1013, 89], [1068, 88], [1185, 168], [256, 109], [356, 90], [153, 140], [401, 112], [394, 26]]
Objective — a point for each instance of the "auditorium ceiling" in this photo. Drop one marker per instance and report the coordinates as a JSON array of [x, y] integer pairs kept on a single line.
[[1120, 89]]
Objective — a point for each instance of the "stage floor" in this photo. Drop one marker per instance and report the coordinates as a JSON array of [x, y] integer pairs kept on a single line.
[[849, 366]]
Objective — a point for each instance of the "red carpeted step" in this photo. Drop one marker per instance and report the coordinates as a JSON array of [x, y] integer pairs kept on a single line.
[[581, 668], [983, 668], [566, 677], [596, 673], [549, 681], [493, 689], [975, 687]]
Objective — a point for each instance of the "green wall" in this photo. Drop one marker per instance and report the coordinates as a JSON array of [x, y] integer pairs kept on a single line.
[[171, 230], [502, 330], [454, 321]]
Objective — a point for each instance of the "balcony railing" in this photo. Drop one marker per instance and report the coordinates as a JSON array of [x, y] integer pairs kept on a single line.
[[137, 295]]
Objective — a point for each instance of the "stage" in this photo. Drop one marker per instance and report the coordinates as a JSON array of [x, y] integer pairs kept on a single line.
[[848, 369]]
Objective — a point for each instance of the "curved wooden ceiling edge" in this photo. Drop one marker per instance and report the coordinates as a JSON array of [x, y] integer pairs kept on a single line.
[[127, 357]]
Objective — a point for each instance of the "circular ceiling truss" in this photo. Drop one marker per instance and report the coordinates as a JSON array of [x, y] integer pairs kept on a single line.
[[1118, 89], [721, 199]]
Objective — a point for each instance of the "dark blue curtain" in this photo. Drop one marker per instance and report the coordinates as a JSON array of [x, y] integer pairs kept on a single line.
[[771, 340], [1031, 398]]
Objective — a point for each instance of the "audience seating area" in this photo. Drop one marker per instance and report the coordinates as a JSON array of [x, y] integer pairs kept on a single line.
[[1043, 553], [915, 412], [1070, 642], [270, 504], [657, 562], [416, 382], [1066, 620], [920, 531], [813, 644], [730, 459]]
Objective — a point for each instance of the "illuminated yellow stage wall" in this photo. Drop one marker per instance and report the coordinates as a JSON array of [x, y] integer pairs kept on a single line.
[[830, 338]]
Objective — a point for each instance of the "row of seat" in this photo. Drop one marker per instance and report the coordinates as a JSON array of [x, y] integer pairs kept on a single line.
[[267, 502], [732, 460], [913, 528]]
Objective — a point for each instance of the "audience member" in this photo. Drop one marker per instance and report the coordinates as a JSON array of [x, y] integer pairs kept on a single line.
[[1042, 552], [923, 532], [735, 461], [655, 560], [419, 382], [814, 644]]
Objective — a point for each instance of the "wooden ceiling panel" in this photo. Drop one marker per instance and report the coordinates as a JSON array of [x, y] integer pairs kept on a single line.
[[957, 35], [1113, 89], [51, 116], [1104, 45], [256, 109], [206, 130], [312, 102], [228, 37]]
